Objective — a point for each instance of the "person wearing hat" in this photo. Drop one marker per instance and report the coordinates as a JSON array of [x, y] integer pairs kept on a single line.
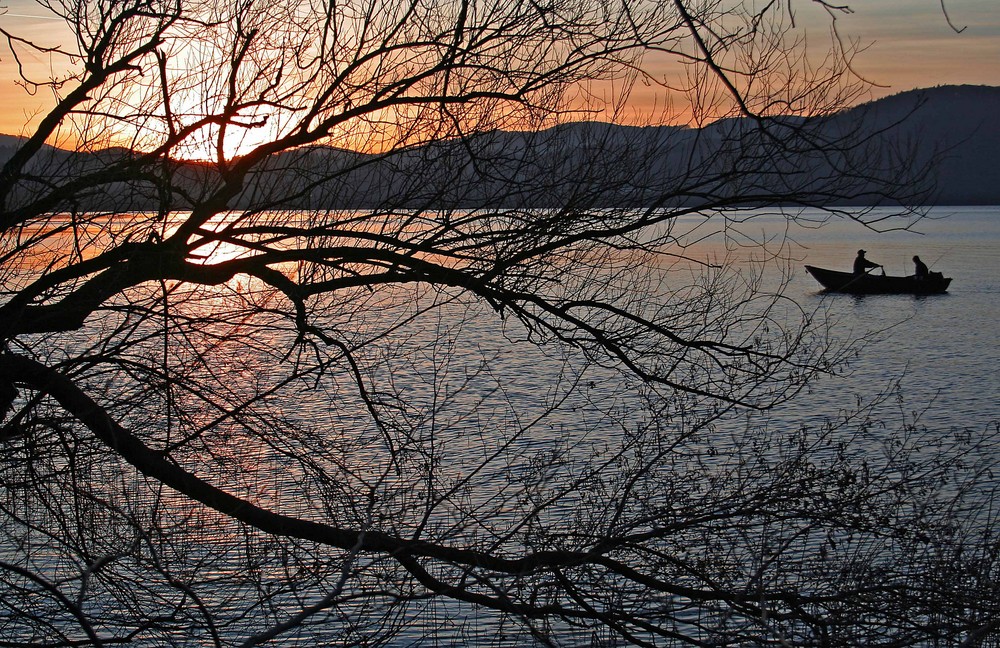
[[861, 264]]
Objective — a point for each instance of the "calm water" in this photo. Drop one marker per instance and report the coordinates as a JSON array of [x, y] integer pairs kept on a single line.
[[941, 350], [944, 349]]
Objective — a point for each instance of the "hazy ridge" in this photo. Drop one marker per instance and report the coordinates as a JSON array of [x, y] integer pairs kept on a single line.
[[956, 124]]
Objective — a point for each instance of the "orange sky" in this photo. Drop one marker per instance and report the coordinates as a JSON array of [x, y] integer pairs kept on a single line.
[[912, 45]]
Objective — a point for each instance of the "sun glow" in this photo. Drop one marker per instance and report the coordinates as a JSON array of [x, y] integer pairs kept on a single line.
[[214, 144], [213, 131]]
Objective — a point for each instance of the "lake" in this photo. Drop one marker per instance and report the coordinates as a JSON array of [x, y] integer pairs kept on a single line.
[[944, 349], [937, 356], [932, 361]]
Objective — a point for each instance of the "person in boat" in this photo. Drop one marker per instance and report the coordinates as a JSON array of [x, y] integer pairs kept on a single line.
[[861, 264], [920, 270]]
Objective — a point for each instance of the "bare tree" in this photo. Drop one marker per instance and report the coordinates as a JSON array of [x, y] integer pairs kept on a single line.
[[332, 320]]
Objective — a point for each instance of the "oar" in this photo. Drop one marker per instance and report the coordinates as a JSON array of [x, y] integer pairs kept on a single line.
[[854, 278]]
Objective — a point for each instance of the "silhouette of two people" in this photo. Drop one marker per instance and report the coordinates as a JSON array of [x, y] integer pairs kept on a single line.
[[861, 266]]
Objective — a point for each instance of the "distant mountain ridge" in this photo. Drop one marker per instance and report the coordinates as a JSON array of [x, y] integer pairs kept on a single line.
[[963, 123], [958, 124]]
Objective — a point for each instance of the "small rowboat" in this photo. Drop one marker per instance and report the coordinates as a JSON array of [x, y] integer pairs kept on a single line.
[[870, 284]]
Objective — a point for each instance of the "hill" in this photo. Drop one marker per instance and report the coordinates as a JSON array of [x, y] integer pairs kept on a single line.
[[961, 124], [953, 129]]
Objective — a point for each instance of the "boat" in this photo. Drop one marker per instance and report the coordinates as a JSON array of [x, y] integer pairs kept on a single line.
[[883, 284]]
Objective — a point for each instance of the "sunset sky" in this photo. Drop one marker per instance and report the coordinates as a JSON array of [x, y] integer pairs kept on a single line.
[[912, 46]]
